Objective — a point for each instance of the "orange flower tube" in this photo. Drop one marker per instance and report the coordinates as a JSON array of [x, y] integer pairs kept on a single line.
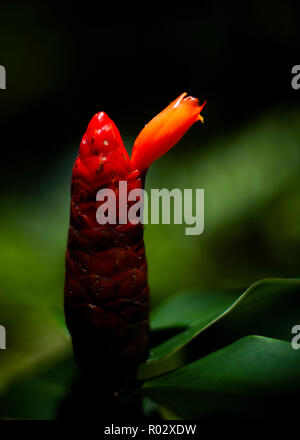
[[164, 131]]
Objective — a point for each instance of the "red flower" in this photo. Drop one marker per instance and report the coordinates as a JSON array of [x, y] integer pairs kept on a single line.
[[106, 290]]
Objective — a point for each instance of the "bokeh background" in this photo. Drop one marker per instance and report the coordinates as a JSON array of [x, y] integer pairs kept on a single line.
[[67, 61]]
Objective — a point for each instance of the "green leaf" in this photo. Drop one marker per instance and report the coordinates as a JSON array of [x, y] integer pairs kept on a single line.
[[268, 307], [238, 378], [184, 309]]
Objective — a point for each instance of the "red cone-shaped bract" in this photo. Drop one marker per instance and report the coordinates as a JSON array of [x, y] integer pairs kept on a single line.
[[106, 291]]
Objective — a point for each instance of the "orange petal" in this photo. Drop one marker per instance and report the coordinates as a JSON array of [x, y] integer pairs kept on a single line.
[[165, 130]]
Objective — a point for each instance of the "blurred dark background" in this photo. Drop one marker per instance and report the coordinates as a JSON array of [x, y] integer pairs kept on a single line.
[[67, 61]]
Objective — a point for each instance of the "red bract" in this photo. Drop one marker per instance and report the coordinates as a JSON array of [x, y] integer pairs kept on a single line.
[[106, 290]]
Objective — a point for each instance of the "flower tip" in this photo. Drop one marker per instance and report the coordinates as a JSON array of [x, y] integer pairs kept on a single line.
[[180, 98], [200, 117], [201, 106]]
